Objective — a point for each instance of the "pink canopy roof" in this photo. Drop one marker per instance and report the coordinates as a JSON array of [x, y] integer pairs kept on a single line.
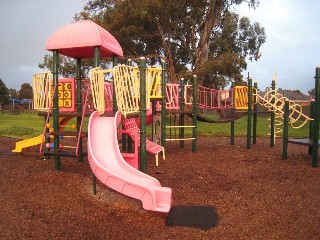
[[78, 40]]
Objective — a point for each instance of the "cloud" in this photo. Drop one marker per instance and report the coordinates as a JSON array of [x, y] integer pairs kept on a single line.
[[291, 45], [24, 30]]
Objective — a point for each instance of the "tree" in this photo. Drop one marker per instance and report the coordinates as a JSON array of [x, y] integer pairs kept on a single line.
[[13, 93], [203, 37], [26, 91], [67, 66], [4, 93]]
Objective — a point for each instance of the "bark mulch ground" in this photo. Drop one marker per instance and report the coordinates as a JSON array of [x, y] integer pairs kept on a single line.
[[254, 194]]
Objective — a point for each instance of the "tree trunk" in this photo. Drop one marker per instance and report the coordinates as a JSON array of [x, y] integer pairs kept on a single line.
[[210, 21], [166, 46]]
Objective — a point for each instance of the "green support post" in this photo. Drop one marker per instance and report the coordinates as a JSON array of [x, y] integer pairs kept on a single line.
[[255, 116], [124, 138], [181, 122], [114, 99], [143, 111], [194, 115], [163, 103], [249, 112], [311, 124], [96, 57], [79, 106], [315, 138], [55, 109], [96, 63], [272, 133], [232, 112], [285, 130]]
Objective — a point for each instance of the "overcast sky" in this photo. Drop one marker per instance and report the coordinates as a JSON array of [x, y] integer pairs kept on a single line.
[[292, 49]]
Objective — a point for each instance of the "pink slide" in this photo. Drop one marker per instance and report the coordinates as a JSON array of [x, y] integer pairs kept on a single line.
[[111, 169]]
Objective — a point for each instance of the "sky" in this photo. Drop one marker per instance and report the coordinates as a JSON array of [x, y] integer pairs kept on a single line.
[[292, 48]]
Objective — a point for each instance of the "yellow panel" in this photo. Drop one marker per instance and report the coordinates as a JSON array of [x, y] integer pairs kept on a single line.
[[60, 102]]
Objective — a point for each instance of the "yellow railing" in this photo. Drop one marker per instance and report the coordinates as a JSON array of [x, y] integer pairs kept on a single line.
[[41, 90]]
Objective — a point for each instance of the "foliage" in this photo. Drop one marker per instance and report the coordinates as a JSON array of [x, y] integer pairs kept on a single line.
[[4, 92], [67, 66], [205, 36], [13, 93], [26, 91]]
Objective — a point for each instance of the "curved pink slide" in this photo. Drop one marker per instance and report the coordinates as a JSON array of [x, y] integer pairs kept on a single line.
[[112, 170]]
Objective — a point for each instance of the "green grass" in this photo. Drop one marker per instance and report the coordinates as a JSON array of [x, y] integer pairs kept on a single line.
[[20, 125], [23, 126], [30, 125]]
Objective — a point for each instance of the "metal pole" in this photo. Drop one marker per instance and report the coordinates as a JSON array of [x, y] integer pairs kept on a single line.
[[55, 109], [143, 110], [232, 112], [79, 106], [255, 115], [96, 63], [272, 133], [96, 57], [311, 124], [114, 99], [194, 115], [181, 122], [285, 130], [249, 112], [315, 139], [163, 103]]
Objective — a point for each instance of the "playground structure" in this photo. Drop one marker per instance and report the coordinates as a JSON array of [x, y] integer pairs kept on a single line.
[[132, 92], [60, 100], [313, 141]]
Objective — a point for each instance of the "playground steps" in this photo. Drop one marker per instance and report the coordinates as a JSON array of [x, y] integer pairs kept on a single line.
[[62, 153], [73, 148], [66, 114], [69, 134]]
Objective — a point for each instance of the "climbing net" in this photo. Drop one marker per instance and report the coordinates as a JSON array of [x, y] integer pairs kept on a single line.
[[41, 90], [274, 101]]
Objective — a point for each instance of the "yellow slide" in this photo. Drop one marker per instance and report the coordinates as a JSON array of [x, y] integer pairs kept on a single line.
[[28, 143]]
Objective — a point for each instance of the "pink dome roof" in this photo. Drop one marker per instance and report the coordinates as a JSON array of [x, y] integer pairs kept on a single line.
[[78, 40]]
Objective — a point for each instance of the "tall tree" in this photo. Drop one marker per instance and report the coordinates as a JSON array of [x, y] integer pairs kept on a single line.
[[67, 66], [4, 93], [26, 91], [203, 37], [13, 93], [184, 32]]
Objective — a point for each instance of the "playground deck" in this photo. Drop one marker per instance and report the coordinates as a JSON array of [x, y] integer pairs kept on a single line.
[[256, 194]]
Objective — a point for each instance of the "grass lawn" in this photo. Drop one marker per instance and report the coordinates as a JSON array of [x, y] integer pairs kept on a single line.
[[30, 124]]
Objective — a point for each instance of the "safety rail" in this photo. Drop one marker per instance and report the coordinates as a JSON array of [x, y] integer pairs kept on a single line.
[[41, 90]]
